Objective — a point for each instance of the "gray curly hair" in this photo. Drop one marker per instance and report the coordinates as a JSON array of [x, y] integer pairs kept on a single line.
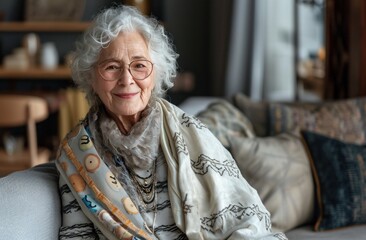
[[104, 29]]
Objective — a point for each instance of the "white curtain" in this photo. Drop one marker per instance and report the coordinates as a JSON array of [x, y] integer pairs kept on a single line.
[[238, 67], [260, 53]]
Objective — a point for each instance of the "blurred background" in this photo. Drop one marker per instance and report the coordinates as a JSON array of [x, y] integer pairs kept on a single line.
[[278, 50]]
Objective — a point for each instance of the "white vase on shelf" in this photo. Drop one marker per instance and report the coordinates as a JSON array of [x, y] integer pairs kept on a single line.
[[49, 56], [31, 43]]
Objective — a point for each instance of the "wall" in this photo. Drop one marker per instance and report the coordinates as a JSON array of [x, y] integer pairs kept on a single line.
[[188, 23]]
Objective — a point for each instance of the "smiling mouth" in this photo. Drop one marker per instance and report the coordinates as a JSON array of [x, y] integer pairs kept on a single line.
[[125, 95]]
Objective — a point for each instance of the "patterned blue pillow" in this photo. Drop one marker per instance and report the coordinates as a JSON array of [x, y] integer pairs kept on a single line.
[[339, 171]]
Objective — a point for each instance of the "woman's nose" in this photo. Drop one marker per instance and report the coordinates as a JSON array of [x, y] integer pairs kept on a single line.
[[125, 76]]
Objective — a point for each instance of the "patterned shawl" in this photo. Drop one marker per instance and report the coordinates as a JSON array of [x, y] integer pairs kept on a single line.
[[209, 197]]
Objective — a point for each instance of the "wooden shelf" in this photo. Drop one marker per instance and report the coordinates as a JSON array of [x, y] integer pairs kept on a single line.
[[44, 26], [62, 72]]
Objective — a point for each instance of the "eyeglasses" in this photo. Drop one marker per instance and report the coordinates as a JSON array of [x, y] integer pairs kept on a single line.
[[112, 70]]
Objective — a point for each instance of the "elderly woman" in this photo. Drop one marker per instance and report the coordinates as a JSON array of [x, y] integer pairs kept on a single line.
[[137, 167]]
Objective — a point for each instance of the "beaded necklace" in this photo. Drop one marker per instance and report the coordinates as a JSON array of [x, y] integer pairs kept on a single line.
[[146, 191]]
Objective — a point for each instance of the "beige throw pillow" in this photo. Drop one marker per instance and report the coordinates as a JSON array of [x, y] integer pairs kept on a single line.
[[278, 168]]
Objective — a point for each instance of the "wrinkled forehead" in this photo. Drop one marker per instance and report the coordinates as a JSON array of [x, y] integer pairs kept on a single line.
[[127, 45]]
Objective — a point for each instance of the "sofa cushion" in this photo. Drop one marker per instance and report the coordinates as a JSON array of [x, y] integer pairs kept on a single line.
[[278, 168], [226, 121], [332, 119], [339, 171]]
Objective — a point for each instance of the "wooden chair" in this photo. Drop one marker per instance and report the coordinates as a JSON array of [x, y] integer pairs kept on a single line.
[[21, 110]]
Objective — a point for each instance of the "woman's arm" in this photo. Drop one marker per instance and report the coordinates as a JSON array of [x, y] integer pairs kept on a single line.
[[74, 225]]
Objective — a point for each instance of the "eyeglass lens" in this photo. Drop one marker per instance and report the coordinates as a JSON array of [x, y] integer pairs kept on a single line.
[[112, 70]]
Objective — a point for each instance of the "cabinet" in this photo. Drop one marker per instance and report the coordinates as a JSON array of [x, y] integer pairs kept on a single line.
[[62, 72], [51, 85]]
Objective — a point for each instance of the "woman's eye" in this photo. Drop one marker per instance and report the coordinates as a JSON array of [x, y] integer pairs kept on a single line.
[[112, 67], [138, 66]]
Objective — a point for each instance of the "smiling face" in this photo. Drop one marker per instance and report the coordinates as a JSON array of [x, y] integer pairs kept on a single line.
[[126, 97]]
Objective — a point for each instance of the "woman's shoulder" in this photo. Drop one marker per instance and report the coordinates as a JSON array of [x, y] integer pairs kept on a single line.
[[169, 107]]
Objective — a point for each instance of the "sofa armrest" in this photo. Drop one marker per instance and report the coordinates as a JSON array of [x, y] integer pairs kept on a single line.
[[30, 204], [194, 105]]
